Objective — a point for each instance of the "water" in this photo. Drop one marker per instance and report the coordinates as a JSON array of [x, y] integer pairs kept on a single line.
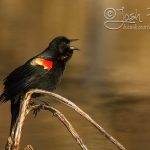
[[108, 78], [124, 117]]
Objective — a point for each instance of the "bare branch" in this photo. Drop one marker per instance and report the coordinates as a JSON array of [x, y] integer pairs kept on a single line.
[[28, 147], [82, 113], [64, 120], [14, 140]]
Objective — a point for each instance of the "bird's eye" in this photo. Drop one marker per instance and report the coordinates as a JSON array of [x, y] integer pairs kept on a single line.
[[66, 44], [63, 46]]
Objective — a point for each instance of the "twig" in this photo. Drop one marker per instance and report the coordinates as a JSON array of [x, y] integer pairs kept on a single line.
[[28, 147], [82, 113], [64, 120], [15, 137]]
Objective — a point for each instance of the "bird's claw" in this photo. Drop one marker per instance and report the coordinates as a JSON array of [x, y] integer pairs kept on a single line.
[[31, 103], [45, 103], [37, 108]]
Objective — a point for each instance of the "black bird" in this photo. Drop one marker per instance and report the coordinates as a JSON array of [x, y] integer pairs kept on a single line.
[[40, 72]]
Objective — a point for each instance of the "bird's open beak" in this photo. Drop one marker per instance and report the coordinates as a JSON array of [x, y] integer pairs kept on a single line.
[[72, 40], [72, 47]]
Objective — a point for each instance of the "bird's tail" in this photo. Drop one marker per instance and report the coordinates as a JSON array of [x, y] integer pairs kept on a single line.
[[15, 106]]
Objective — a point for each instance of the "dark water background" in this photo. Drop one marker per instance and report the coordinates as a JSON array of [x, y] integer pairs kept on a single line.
[[109, 78]]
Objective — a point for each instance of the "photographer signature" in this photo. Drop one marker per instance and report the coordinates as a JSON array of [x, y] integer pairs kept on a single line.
[[116, 18]]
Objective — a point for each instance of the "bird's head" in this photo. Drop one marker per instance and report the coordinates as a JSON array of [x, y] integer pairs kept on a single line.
[[62, 50]]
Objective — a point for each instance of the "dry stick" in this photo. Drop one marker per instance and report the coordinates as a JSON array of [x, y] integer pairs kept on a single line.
[[82, 113], [16, 133], [28, 147], [77, 109], [63, 119], [24, 110]]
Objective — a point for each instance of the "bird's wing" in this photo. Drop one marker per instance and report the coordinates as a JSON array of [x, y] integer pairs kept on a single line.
[[23, 77]]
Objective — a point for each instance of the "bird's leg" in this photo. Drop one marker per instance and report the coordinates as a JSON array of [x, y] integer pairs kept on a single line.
[[45, 103], [31, 103], [37, 107], [34, 107]]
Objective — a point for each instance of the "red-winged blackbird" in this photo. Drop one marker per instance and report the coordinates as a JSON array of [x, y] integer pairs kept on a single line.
[[40, 72]]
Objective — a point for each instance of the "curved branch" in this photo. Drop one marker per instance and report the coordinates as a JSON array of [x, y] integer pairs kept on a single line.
[[24, 110], [82, 113], [14, 139], [64, 120]]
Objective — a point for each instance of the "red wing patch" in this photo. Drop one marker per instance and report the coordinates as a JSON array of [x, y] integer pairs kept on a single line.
[[47, 64]]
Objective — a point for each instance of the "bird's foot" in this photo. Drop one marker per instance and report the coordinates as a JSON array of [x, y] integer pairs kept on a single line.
[[37, 107], [31, 103]]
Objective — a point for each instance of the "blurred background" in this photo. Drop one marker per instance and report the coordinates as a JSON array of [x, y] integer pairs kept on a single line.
[[108, 78]]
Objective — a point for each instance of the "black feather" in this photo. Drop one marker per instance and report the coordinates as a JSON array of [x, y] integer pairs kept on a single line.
[[29, 76]]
